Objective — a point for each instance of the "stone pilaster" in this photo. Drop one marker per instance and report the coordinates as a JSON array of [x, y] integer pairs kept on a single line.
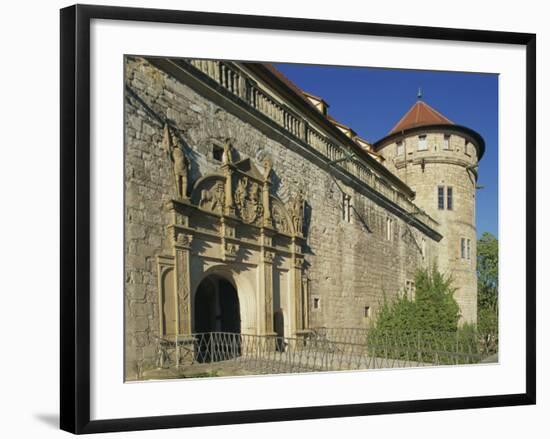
[[229, 208], [266, 283], [182, 249], [266, 204], [296, 282]]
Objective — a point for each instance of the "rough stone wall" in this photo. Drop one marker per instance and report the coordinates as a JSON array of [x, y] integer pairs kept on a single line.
[[444, 167], [350, 265]]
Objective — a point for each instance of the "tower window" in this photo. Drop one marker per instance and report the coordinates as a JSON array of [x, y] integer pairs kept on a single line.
[[446, 142], [217, 153], [449, 198], [463, 248], [422, 142], [441, 197], [366, 312], [400, 148], [467, 249]]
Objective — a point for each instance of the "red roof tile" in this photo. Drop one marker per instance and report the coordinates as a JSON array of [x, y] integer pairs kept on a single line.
[[420, 114]]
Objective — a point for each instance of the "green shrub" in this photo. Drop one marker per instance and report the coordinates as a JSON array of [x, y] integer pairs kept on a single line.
[[433, 309], [425, 328]]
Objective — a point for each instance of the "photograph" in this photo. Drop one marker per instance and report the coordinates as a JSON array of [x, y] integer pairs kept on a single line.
[[298, 218]]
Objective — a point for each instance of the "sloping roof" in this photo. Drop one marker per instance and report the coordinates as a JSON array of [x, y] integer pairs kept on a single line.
[[420, 114]]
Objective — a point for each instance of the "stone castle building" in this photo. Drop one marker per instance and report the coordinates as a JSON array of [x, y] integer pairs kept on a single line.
[[249, 209]]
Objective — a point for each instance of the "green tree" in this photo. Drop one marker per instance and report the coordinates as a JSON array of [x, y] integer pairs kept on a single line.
[[433, 308], [487, 281], [424, 327]]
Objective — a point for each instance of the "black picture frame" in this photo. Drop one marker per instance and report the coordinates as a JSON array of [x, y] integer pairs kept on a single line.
[[75, 217]]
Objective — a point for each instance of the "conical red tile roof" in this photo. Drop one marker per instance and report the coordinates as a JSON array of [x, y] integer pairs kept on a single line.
[[420, 114]]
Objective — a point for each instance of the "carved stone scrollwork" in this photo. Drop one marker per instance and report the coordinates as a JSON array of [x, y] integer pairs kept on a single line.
[[298, 262], [269, 256], [183, 239], [230, 250]]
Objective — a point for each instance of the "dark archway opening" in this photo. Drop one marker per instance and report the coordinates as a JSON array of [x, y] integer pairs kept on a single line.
[[217, 320]]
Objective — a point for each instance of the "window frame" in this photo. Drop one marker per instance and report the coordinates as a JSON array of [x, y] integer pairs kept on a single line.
[[422, 140], [217, 150], [389, 229], [450, 201], [440, 197], [399, 148]]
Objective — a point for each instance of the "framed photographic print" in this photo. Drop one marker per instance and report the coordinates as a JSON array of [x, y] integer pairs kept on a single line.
[[268, 218]]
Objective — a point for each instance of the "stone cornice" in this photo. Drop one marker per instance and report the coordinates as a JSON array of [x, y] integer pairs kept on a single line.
[[463, 131]]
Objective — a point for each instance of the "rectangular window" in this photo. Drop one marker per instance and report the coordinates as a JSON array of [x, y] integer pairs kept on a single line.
[[449, 198], [346, 208], [462, 248], [400, 148], [468, 249], [409, 289], [441, 198], [217, 153], [446, 142], [316, 303], [366, 312], [422, 143], [389, 229]]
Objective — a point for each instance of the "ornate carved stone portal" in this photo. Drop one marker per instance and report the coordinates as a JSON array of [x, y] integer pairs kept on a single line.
[[232, 225]]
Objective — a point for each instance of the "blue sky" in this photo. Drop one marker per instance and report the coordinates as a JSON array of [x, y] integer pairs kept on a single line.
[[372, 101]]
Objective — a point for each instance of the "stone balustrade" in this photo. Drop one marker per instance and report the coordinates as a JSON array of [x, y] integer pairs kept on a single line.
[[239, 84]]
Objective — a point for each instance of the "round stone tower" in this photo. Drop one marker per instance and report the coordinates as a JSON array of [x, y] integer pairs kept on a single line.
[[438, 160]]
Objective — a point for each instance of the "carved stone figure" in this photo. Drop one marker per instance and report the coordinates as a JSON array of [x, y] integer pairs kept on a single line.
[[226, 156], [214, 198], [255, 194], [279, 219], [240, 193], [267, 169], [179, 160], [297, 212]]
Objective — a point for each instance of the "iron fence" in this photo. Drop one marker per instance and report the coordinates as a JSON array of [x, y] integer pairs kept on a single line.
[[320, 350]]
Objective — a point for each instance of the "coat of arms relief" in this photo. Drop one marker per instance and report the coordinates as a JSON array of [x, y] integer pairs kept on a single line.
[[248, 201]]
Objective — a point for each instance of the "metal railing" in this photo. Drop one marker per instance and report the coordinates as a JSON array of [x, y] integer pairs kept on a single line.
[[361, 350], [236, 82]]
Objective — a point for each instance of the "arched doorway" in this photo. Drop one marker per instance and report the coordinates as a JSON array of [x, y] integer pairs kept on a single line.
[[217, 319]]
